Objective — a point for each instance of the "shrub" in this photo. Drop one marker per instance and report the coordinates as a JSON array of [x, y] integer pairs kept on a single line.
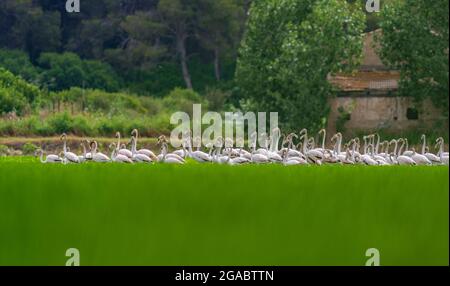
[[10, 81], [29, 148], [61, 122], [4, 150], [12, 101], [19, 64], [63, 71], [112, 103], [182, 100], [152, 105], [216, 98]]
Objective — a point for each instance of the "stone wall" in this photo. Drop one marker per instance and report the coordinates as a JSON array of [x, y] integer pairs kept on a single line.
[[371, 59], [377, 112]]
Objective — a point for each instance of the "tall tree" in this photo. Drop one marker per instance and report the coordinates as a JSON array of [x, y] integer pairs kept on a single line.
[[178, 18], [290, 48], [25, 25], [415, 40], [218, 27]]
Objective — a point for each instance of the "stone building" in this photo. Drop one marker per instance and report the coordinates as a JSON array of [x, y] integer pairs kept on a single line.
[[367, 99]]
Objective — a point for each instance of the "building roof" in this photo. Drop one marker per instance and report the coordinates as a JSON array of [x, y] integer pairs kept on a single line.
[[372, 77], [366, 80]]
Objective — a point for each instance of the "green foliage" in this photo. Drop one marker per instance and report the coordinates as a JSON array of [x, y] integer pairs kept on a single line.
[[415, 41], [288, 51], [16, 94], [29, 148], [216, 98], [163, 78], [182, 100], [203, 214], [25, 24], [12, 101], [4, 150], [86, 125], [19, 64], [63, 71]]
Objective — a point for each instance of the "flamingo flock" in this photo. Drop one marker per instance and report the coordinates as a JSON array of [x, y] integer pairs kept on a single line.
[[295, 149]]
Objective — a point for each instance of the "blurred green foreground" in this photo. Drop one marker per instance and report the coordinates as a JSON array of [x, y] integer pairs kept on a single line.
[[221, 215]]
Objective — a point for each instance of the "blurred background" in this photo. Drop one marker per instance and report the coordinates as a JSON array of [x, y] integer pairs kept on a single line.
[[124, 64]]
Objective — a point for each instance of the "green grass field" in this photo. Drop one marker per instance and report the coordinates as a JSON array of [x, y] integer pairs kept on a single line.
[[221, 215]]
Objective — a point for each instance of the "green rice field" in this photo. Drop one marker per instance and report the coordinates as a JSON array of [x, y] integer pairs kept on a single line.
[[222, 215]]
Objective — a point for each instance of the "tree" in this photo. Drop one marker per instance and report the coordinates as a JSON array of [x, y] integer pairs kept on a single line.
[[289, 49], [218, 27], [177, 16], [16, 95], [27, 26], [63, 71], [415, 41]]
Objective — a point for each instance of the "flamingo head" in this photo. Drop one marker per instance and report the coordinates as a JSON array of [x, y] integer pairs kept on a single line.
[[302, 132], [219, 142], [161, 139]]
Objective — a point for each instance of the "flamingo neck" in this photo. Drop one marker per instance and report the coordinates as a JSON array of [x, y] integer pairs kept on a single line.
[[424, 144], [323, 139], [42, 157]]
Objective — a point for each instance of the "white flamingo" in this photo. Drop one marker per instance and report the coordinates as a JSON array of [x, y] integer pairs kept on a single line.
[[430, 156], [443, 156], [69, 157], [197, 155], [419, 158], [98, 156], [118, 158], [169, 159], [146, 152], [121, 150], [404, 159], [51, 158], [140, 158]]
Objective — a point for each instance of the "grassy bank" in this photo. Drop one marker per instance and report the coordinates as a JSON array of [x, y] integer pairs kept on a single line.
[[207, 215]]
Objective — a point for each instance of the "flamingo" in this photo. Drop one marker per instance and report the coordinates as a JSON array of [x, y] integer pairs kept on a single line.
[[165, 158], [118, 158], [403, 159], [367, 159], [86, 156], [146, 152], [419, 158], [69, 157], [430, 156], [140, 158], [197, 155], [312, 156], [407, 152], [162, 139], [121, 150], [442, 155], [97, 156], [51, 158]]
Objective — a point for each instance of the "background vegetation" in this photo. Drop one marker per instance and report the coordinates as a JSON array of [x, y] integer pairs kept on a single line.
[[119, 63]]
